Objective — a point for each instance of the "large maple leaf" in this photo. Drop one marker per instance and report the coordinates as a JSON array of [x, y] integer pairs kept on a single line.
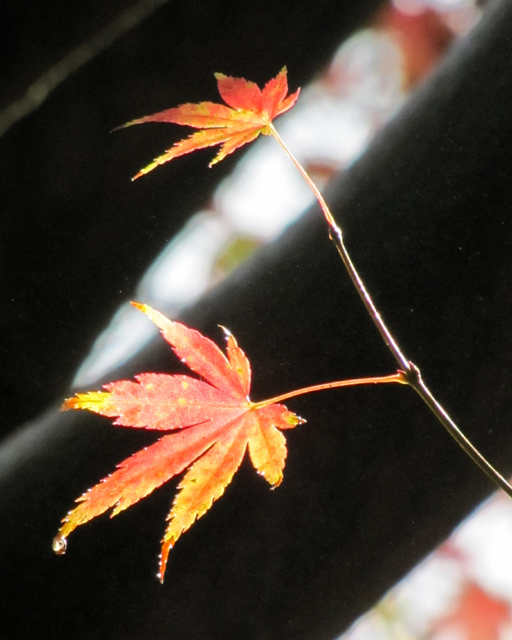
[[250, 112], [215, 423], [216, 420]]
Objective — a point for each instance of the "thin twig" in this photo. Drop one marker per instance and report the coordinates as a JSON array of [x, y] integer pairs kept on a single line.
[[39, 90], [410, 373], [337, 238]]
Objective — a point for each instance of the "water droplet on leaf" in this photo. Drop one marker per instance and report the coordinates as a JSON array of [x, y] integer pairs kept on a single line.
[[59, 545]]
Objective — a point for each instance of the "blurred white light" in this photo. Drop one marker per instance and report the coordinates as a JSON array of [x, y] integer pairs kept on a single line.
[[367, 70], [327, 128], [182, 271], [127, 332], [449, 4], [264, 193], [486, 539], [415, 7]]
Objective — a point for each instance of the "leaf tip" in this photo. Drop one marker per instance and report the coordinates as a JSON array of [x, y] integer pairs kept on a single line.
[[127, 124], [70, 403], [275, 484], [294, 419], [93, 401], [147, 169], [166, 547], [121, 126], [227, 332], [139, 306]]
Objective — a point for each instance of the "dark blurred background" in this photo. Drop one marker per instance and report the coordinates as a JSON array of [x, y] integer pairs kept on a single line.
[[372, 483]]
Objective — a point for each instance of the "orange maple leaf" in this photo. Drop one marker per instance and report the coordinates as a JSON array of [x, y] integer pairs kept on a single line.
[[216, 420], [217, 423], [250, 112]]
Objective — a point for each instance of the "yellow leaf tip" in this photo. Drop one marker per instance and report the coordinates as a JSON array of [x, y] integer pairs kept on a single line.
[[90, 400], [121, 126], [70, 403], [294, 419], [276, 484]]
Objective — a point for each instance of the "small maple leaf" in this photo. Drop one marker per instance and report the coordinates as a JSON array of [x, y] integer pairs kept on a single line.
[[216, 420], [250, 112]]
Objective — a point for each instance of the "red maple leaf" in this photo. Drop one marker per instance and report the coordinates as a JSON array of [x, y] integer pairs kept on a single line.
[[250, 112], [214, 422]]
